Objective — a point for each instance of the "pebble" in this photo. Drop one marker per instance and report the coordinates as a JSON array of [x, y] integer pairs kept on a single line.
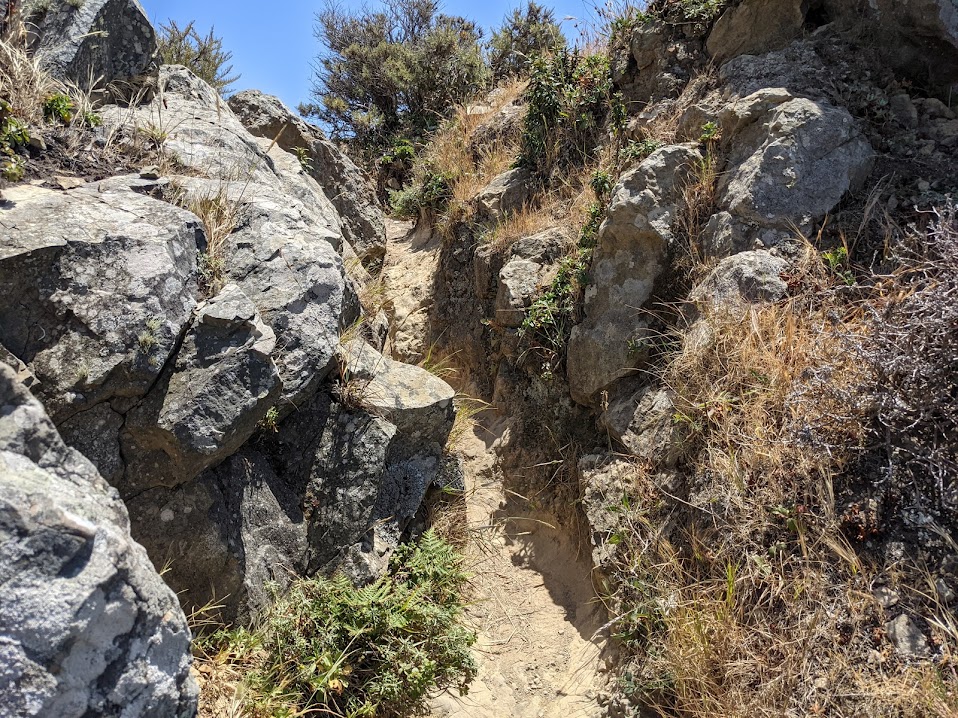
[[906, 637]]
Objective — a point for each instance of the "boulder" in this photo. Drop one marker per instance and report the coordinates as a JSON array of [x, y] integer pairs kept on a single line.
[[226, 536], [790, 166], [745, 278], [756, 26], [631, 254], [87, 627], [208, 401], [342, 181], [506, 193], [518, 285], [644, 423], [282, 251], [94, 42], [420, 404], [98, 290]]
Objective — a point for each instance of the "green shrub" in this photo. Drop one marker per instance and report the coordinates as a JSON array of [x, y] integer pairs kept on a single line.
[[569, 99], [58, 108], [523, 35], [393, 72], [636, 151], [549, 320], [13, 134], [329, 648], [428, 196], [204, 55]]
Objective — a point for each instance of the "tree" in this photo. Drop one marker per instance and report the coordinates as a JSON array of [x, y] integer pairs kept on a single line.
[[392, 72], [203, 55], [523, 34]]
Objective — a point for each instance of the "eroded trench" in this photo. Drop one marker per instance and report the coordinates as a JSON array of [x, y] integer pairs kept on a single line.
[[541, 648]]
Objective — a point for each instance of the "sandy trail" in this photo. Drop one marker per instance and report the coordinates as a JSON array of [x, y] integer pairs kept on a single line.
[[533, 604]]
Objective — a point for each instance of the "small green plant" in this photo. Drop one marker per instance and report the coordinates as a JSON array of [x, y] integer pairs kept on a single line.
[[12, 168], [401, 151], [204, 54], [305, 159], [710, 132], [270, 422], [92, 119], [548, 321], [428, 196], [590, 231], [837, 261], [58, 108], [637, 151], [327, 647], [601, 183]]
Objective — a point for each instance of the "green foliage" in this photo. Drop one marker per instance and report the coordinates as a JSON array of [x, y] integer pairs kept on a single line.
[[710, 132], [305, 158], [549, 320], [428, 196], [327, 647], [524, 34], [636, 151], [402, 150], [204, 55], [699, 12], [58, 108], [590, 232], [392, 72], [569, 99], [13, 134]]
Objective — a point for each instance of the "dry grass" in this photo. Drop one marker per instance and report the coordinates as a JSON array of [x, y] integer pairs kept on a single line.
[[743, 597], [24, 83]]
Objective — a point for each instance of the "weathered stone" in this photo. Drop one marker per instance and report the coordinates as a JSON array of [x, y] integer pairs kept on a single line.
[[756, 26], [518, 284], [87, 627], [98, 288], [419, 403], [745, 278], [506, 193], [94, 42], [225, 536], [903, 110], [544, 247], [209, 401], [631, 254], [342, 181], [95, 433], [791, 167], [643, 422], [907, 638]]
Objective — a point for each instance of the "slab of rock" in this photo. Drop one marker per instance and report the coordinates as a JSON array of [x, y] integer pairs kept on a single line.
[[907, 638], [518, 285], [98, 289], [343, 182], [644, 423], [631, 254], [94, 42], [226, 535], [419, 403], [742, 279], [87, 627], [506, 193], [756, 26], [208, 401]]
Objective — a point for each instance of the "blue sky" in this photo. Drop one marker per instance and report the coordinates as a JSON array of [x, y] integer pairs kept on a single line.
[[273, 44]]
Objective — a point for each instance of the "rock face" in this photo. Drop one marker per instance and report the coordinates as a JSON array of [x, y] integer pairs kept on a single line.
[[209, 400], [98, 287], [506, 193], [342, 181], [87, 627], [94, 42], [631, 254], [756, 26], [745, 278]]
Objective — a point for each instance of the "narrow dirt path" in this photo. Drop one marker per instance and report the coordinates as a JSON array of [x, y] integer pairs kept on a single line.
[[533, 605]]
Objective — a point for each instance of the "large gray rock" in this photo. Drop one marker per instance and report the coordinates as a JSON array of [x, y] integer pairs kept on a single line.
[[283, 250], [226, 536], [209, 401], [756, 26], [632, 252], [343, 182], [506, 193], [792, 165], [87, 627], [94, 42], [644, 423], [419, 403], [518, 284], [745, 278], [98, 289]]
